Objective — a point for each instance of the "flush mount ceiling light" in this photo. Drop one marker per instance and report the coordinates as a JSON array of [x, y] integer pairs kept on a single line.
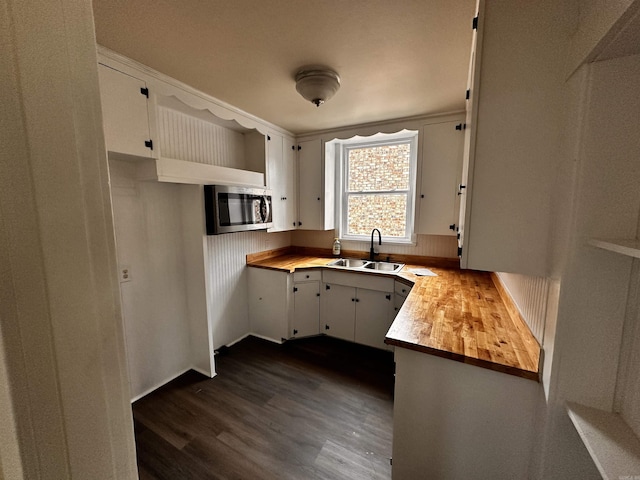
[[317, 84]]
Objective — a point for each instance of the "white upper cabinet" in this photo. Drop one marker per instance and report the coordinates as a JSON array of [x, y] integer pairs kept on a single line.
[[438, 198], [281, 180], [513, 142], [316, 187], [125, 114]]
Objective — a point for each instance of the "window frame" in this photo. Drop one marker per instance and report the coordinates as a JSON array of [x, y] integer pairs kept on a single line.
[[403, 137]]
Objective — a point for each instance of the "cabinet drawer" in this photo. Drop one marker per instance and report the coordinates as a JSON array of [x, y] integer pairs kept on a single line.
[[402, 289], [307, 275]]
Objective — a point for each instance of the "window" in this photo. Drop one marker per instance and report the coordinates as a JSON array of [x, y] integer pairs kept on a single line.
[[377, 186]]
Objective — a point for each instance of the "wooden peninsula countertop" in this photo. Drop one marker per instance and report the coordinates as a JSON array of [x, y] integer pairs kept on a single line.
[[458, 314]]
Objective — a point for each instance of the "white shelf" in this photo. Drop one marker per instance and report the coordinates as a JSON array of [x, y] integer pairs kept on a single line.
[[629, 247], [180, 171], [612, 444]]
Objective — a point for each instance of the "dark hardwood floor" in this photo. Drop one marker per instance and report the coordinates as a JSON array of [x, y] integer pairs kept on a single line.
[[315, 408]]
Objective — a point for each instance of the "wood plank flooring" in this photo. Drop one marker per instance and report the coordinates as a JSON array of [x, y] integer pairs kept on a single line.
[[313, 409]]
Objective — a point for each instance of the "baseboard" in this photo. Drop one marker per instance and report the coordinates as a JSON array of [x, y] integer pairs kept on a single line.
[[263, 337], [157, 386]]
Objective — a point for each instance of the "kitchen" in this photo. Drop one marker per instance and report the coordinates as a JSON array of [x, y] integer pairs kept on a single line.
[[549, 221]]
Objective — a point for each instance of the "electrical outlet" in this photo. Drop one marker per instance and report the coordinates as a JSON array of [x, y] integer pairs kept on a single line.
[[125, 273]]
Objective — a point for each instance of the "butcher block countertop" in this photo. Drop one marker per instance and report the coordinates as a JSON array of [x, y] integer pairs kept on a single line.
[[463, 315]]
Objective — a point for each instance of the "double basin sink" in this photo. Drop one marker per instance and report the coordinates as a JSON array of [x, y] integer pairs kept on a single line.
[[357, 264]]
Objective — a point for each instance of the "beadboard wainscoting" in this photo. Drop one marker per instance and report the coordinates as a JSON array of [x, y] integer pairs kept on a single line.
[[228, 296], [196, 140], [530, 294], [426, 245]]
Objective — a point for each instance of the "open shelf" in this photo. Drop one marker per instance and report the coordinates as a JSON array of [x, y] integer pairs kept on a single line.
[[612, 444], [629, 247]]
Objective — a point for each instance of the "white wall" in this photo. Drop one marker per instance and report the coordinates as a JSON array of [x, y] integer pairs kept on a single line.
[[63, 349], [148, 225]]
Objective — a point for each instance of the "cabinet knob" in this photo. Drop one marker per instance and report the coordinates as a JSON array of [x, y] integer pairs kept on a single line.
[[318, 198], [353, 299], [307, 276]]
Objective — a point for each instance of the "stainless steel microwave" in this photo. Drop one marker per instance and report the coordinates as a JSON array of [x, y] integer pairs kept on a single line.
[[236, 209]]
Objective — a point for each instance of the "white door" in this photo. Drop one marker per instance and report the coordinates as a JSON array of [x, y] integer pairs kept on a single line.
[[441, 172], [124, 112], [339, 311], [306, 309], [373, 316]]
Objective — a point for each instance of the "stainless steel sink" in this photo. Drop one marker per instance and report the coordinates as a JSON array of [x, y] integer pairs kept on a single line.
[[349, 263], [384, 266], [357, 264]]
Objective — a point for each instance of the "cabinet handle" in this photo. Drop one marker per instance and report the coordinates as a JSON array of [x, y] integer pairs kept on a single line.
[[317, 294], [388, 297], [326, 327], [299, 224], [295, 331]]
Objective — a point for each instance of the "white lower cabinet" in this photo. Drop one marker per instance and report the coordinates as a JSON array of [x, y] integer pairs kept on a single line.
[[339, 311], [401, 292], [357, 307], [306, 304], [270, 303], [374, 315]]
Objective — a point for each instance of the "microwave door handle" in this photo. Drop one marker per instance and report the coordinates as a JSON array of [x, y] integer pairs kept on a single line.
[[267, 209]]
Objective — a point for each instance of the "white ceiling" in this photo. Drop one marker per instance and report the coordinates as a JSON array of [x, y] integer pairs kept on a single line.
[[396, 58]]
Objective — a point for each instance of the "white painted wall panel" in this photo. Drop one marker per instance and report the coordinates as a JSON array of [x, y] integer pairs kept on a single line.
[[228, 283], [188, 138], [530, 296], [149, 242]]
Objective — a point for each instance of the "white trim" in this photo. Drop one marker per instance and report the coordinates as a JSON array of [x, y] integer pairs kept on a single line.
[[224, 110], [399, 137], [279, 342]]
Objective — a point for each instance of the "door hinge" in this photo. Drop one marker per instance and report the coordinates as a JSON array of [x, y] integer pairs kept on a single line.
[[467, 95], [144, 91], [295, 332], [295, 289], [474, 24], [268, 138], [148, 144], [461, 126], [293, 147], [326, 327], [299, 147], [452, 226], [459, 251], [460, 188]]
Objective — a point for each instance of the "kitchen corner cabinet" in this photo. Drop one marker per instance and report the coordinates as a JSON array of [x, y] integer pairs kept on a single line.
[[442, 146], [316, 173], [514, 119], [306, 303], [281, 179], [357, 307], [270, 303], [125, 113]]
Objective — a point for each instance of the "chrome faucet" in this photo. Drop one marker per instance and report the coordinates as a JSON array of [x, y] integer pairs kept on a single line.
[[372, 253]]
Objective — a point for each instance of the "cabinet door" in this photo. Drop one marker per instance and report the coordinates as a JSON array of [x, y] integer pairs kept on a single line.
[[339, 311], [316, 187], [306, 309], [124, 112], [276, 181], [441, 173], [269, 303], [289, 171], [373, 317]]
